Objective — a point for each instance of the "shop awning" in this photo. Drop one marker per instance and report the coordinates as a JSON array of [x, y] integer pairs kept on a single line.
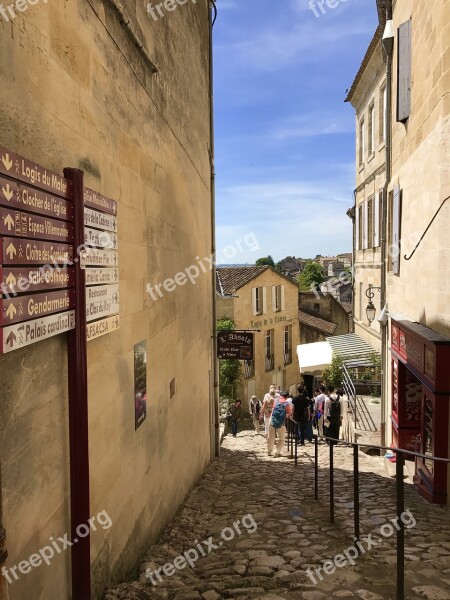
[[318, 356], [314, 357]]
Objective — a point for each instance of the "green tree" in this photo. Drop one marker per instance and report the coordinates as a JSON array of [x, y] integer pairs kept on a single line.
[[334, 374], [265, 261], [229, 369], [311, 276]]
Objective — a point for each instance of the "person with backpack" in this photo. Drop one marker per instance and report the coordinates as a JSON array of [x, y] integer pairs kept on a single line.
[[254, 408], [319, 407], [281, 409], [234, 416], [267, 407], [302, 412], [333, 414]]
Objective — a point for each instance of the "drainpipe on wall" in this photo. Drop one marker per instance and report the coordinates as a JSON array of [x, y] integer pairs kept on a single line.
[[212, 12], [388, 47], [3, 552]]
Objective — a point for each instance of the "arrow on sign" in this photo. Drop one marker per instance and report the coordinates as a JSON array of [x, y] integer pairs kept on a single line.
[[8, 221], [11, 339], [11, 280], [7, 162], [8, 193], [11, 251], [11, 311]]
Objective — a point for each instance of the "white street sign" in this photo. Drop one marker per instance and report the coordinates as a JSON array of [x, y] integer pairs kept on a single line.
[[102, 327], [99, 220], [99, 276], [102, 292], [102, 239]]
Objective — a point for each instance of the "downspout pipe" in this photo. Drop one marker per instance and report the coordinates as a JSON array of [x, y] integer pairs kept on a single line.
[[388, 47], [212, 11]]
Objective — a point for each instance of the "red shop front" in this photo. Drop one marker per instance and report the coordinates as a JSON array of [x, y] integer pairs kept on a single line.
[[420, 402]]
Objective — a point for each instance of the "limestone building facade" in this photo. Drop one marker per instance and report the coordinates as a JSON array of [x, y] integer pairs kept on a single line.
[[259, 298]]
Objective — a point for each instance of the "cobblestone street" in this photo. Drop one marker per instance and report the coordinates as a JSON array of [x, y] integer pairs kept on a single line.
[[293, 533]]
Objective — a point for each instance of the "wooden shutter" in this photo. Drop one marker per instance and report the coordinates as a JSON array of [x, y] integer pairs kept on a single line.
[[404, 72], [274, 298], [365, 225], [396, 230], [282, 297], [376, 221], [264, 300], [255, 312], [357, 228]]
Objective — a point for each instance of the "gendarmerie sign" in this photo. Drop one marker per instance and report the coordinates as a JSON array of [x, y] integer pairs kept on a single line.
[[235, 344], [24, 308]]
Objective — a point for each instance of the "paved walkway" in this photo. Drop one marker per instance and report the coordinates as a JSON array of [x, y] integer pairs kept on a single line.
[[293, 534]]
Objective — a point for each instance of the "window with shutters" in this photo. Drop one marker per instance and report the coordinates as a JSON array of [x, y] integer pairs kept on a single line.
[[276, 297], [268, 350], [287, 345], [361, 143], [404, 72], [371, 133], [377, 217], [259, 300], [370, 222], [383, 114], [394, 239]]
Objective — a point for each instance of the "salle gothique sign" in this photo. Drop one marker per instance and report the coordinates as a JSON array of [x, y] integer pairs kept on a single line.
[[235, 344]]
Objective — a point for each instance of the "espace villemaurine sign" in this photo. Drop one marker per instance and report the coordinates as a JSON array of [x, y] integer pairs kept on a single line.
[[37, 255], [235, 344]]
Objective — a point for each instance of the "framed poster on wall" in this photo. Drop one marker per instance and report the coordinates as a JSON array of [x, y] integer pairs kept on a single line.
[[140, 383]]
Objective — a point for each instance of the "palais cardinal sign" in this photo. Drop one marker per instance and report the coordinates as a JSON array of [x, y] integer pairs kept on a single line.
[[235, 344]]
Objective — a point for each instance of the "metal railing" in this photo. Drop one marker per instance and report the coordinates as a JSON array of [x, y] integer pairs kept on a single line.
[[292, 428], [249, 369], [270, 362], [288, 357], [350, 391]]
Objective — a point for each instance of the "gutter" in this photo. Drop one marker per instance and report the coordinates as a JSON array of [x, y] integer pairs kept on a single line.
[[212, 14]]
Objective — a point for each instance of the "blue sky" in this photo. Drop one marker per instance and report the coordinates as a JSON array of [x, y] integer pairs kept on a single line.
[[285, 139]]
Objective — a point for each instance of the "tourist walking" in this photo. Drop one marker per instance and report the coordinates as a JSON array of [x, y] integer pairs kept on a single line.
[[302, 412], [266, 410], [281, 410], [254, 407], [234, 416], [319, 407], [333, 414]]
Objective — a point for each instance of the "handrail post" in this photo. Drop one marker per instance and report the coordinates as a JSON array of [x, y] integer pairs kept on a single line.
[[316, 467], [331, 482], [356, 490], [292, 438], [400, 492], [296, 450]]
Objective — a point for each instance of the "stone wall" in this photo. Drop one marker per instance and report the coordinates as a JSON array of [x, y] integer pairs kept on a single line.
[[70, 97]]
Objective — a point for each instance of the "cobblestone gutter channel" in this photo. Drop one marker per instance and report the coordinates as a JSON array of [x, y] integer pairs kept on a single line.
[[293, 534]]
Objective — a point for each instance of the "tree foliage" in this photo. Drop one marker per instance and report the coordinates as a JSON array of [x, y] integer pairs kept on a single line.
[[229, 369], [334, 374], [265, 261], [311, 276]]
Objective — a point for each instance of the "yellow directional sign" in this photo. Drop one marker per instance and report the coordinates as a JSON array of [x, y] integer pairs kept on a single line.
[[7, 162], [8, 221], [11, 250], [11, 280], [7, 192], [11, 311]]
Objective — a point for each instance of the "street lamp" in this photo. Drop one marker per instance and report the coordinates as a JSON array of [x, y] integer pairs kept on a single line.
[[371, 310]]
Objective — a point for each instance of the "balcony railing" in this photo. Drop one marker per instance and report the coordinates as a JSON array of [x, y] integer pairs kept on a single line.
[[288, 357], [249, 369], [270, 362]]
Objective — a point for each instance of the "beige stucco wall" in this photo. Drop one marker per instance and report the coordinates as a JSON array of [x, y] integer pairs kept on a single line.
[[68, 98], [285, 376], [370, 178], [225, 307], [421, 161]]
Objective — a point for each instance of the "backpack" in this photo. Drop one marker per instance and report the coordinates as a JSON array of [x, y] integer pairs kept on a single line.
[[278, 415], [335, 408]]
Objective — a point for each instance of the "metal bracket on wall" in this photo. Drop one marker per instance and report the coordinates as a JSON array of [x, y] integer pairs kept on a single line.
[[426, 230]]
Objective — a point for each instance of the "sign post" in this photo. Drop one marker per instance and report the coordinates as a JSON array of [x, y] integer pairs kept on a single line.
[[78, 411]]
